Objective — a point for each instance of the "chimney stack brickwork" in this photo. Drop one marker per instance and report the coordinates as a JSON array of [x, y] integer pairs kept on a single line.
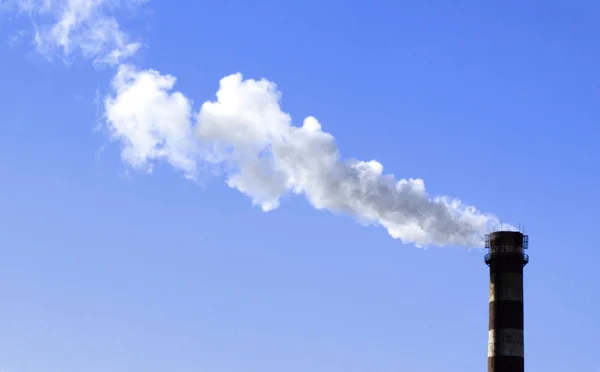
[[506, 259]]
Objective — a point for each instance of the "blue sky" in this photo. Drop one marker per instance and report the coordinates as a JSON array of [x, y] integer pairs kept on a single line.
[[106, 267]]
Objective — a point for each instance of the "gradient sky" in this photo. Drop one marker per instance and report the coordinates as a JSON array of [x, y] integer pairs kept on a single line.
[[103, 268]]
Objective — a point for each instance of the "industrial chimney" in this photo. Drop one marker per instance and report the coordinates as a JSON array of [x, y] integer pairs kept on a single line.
[[506, 259]]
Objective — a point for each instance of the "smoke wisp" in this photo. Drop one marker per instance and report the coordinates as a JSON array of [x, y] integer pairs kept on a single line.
[[265, 156], [65, 27]]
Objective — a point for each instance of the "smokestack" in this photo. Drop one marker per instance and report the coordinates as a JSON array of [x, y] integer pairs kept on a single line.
[[506, 259]]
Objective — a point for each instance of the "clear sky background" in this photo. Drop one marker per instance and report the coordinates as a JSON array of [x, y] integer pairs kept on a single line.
[[107, 269]]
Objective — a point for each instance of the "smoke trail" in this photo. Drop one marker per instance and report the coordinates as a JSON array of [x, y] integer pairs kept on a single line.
[[265, 156], [245, 132]]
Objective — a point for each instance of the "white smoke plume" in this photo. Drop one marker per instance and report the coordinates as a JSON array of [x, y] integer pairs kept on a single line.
[[266, 157], [64, 27], [244, 131]]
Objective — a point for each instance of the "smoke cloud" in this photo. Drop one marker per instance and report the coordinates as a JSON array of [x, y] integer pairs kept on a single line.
[[245, 132]]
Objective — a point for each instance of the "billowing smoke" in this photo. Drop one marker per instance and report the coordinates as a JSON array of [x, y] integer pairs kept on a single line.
[[245, 132]]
